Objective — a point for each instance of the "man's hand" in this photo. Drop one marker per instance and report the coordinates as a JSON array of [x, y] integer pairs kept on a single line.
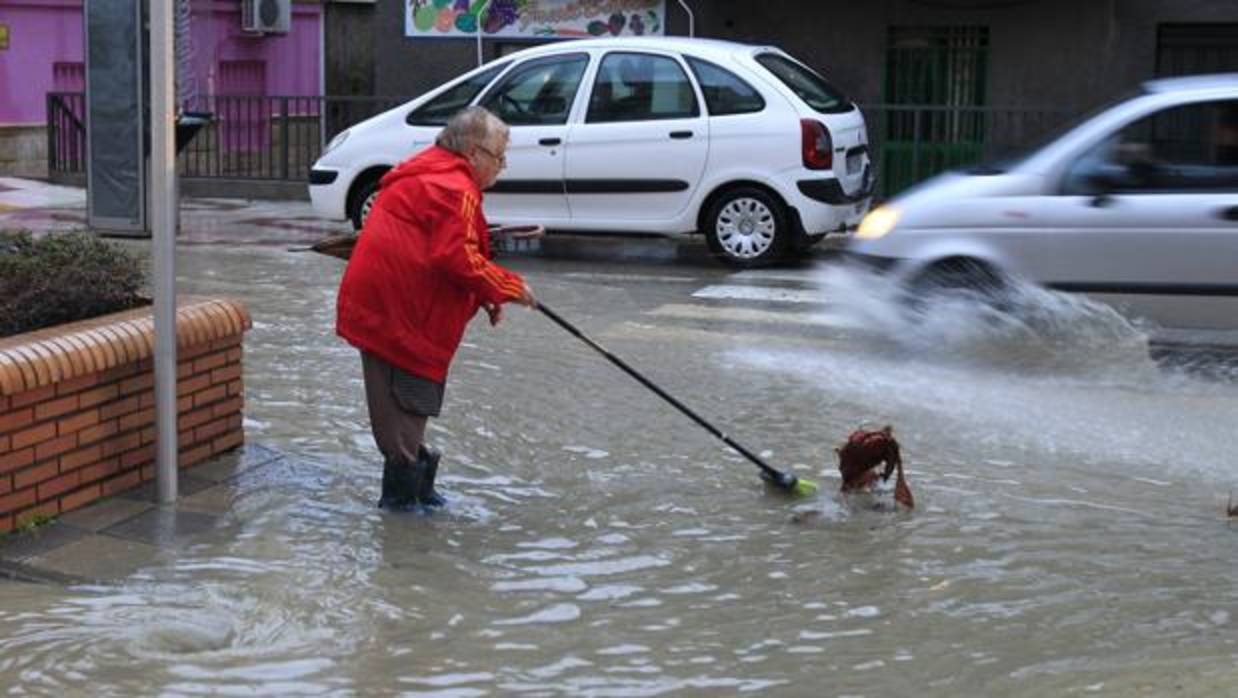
[[526, 297], [495, 311]]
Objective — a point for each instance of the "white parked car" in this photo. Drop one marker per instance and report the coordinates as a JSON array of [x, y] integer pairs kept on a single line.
[[657, 135], [1138, 203]]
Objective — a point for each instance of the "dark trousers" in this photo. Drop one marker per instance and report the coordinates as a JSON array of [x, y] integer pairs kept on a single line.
[[399, 406]]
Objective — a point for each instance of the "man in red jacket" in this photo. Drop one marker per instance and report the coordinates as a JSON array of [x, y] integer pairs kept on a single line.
[[420, 271]]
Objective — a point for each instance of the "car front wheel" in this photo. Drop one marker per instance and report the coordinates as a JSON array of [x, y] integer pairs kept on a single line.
[[961, 279], [747, 227], [361, 201]]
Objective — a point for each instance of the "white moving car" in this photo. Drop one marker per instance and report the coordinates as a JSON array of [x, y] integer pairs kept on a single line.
[[655, 135], [1138, 205]]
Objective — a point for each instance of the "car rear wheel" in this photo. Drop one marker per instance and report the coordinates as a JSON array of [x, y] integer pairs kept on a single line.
[[747, 227], [361, 201]]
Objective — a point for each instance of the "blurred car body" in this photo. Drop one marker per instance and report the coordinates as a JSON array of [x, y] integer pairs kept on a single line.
[[1138, 205], [657, 135]]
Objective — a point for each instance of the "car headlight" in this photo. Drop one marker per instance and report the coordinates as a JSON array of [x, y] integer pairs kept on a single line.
[[878, 223], [336, 142]]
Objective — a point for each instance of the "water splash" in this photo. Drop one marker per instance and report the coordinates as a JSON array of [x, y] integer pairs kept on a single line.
[[1048, 373], [1033, 329]]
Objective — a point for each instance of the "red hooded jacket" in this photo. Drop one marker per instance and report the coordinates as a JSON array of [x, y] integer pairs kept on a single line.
[[421, 267]]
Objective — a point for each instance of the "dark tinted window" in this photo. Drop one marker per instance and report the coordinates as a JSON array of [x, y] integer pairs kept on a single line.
[[538, 92], [1193, 147], [806, 84], [725, 92], [438, 110], [641, 87]]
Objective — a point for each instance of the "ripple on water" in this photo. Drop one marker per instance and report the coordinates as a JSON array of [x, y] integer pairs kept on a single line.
[[566, 585], [452, 679], [834, 634], [610, 592], [587, 452], [601, 568], [207, 632], [623, 650], [549, 544], [558, 613], [691, 588], [864, 612]]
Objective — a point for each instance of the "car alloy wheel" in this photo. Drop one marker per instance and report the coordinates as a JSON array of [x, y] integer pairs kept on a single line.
[[361, 201], [747, 228], [368, 205]]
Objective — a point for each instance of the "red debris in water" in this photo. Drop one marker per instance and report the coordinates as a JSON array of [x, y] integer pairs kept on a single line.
[[864, 452]]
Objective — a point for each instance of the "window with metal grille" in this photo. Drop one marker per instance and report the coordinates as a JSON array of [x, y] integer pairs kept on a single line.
[[945, 66], [1187, 49], [936, 85]]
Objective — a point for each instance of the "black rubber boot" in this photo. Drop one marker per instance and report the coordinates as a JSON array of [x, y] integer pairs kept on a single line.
[[401, 482], [426, 493]]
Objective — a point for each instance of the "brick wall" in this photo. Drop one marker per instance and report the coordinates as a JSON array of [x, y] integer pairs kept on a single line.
[[65, 443]]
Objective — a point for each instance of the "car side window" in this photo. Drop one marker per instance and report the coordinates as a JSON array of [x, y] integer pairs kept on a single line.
[[1188, 148], [815, 90], [538, 92], [640, 87], [725, 92], [438, 110]]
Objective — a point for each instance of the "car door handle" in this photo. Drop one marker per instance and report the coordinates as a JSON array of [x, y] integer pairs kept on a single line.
[[550, 141], [680, 135], [1229, 214]]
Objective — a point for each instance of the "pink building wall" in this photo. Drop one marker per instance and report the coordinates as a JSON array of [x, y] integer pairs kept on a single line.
[[292, 62], [45, 33], [42, 33]]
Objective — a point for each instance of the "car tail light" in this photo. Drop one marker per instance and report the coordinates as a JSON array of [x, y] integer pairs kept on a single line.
[[816, 144]]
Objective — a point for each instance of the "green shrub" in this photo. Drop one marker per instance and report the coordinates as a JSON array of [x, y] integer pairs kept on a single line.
[[61, 278]]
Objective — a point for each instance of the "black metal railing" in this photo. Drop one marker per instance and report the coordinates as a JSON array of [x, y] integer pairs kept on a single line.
[[911, 143], [264, 138], [66, 132]]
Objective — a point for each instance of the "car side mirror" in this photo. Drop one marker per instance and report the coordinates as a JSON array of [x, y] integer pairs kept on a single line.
[[1101, 184]]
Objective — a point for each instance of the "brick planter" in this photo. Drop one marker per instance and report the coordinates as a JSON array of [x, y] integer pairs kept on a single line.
[[77, 404]]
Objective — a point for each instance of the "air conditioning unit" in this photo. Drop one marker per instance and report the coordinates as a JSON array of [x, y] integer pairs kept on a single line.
[[266, 16]]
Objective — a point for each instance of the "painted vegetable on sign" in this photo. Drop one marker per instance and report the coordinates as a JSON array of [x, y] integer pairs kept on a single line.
[[534, 18], [445, 16], [500, 14]]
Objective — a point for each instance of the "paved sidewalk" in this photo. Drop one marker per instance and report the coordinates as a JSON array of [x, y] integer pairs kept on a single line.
[[114, 537], [41, 207], [18, 194]]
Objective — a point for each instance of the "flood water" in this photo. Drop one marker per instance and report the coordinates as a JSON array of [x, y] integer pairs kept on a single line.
[[1070, 536]]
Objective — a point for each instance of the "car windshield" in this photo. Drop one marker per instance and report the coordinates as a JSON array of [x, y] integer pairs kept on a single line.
[[436, 111], [806, 84]]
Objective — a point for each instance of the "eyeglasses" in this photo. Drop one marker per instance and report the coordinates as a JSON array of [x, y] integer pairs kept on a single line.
[[500, 159]]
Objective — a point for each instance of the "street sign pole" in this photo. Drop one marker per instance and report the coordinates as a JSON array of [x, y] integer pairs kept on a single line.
[[163, 240]]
